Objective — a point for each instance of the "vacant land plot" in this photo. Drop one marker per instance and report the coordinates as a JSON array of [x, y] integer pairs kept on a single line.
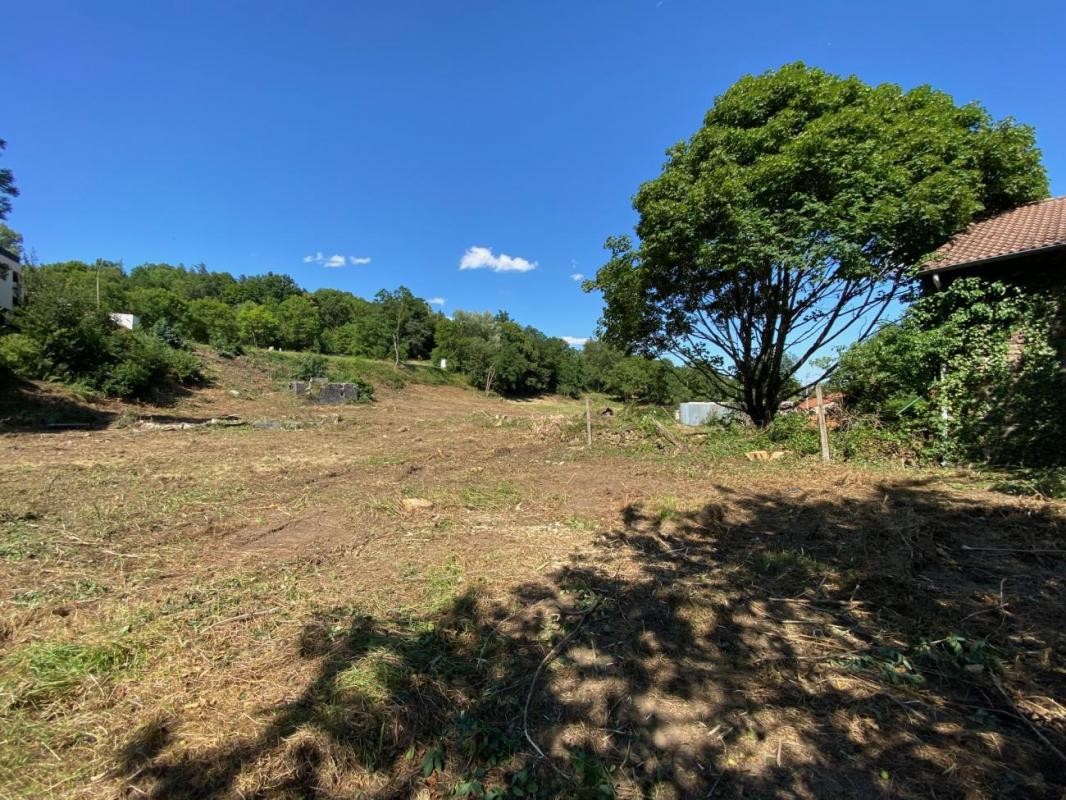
[[421, 597]]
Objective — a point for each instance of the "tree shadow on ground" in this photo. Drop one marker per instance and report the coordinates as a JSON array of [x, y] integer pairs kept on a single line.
[[27, 407], [766, 645]]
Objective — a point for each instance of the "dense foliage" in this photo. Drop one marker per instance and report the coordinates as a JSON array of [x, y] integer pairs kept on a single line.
[[10, 240], [63, 331], [974, 371], [791, 217], [64, 334]]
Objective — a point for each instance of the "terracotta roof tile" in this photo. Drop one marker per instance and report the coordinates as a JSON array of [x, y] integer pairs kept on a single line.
[[1030, 227]]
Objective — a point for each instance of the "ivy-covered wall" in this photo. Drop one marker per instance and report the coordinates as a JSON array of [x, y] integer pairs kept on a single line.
[[1003, 385], [976, 371]]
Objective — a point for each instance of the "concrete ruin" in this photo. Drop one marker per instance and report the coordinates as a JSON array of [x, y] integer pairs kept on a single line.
[[322, 392]]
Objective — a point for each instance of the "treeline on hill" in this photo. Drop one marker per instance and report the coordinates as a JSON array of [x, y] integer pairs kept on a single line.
[[63, 331]]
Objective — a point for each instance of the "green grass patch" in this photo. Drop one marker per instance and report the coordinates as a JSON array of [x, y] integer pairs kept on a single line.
[[1045, 482], [21, 538], [665, 508], [442, 584], [778, 563], [376, 676], [492, 497], [284, 364], [579, 523], [46, 670]]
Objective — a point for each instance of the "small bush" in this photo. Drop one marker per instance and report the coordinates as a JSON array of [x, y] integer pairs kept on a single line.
[[168, 334], [226, 345], [144, 366], [185, 367], [866, 438], [23, 356], [310, 365], [366, 390], [129, 378], [794, 432]]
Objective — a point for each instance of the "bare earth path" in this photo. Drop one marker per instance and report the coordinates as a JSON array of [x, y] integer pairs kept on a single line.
[[257, 612]]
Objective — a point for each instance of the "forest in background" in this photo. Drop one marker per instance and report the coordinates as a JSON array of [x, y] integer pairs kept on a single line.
[[63, 331]]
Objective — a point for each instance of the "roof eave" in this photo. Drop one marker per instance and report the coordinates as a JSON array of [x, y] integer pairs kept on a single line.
[[933, 268]]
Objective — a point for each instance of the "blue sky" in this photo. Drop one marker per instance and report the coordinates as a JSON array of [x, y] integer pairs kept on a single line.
[[254, 136]]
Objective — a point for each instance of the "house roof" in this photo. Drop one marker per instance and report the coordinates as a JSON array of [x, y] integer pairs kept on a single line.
[[811, 403], [7, 254], [1026, 229]]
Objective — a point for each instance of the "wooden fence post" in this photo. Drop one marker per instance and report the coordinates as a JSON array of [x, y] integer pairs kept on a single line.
[[823, 430], [588, 421]]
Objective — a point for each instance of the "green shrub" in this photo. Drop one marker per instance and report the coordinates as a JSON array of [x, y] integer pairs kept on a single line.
[[166, 332], [310, 365], [972, 373], [226, 344], [794, 432], [140, 369], [185, 367], [22, 355], [144, 365], [867, 438], [366, 390]]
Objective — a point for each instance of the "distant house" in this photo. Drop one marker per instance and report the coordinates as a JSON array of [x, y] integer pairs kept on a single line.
[[127, 321], [10, 280], [1025, 246]]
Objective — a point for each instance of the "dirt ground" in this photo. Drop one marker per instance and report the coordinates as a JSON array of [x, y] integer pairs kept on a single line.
[[443, 594]]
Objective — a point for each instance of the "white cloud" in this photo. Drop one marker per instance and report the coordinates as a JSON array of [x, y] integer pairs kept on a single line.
[[336, 260], [575, 341], [437, 301], [482, 258], [576, 276]]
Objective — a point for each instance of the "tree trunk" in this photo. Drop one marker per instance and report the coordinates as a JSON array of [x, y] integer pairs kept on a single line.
[[761, 409]]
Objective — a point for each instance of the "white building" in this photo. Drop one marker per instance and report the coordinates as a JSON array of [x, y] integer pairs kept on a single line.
[[127, 321], [10, 280]]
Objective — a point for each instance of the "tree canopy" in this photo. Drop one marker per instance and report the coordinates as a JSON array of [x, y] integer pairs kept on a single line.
[[7, 187], [790, 220]]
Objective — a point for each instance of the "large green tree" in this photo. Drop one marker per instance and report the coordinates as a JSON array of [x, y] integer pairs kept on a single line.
[[7, 187], [336, 307], [789, 221], [407, 321], [258, 325], [210, 320], [298, 322]]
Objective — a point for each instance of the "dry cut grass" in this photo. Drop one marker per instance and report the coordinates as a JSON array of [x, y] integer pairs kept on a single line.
[[256, 612]]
